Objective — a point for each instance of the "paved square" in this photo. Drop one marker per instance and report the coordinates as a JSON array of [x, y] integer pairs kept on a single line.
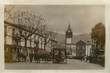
[[72, 64]]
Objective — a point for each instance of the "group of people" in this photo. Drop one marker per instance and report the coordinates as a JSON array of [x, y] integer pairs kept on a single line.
[[32, 55], [85, 58], [59, 57], [40, 55]]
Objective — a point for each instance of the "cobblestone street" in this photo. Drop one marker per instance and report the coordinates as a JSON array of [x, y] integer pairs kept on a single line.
[[72, 64]]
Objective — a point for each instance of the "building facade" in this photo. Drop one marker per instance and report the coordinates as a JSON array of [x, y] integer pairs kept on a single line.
[[14, 42], [78, 48]]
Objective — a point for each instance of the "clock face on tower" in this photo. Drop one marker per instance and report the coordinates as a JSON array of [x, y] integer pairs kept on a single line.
[[69, 40]]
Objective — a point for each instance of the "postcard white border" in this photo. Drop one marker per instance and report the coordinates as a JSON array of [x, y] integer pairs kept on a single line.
[[56, 2]]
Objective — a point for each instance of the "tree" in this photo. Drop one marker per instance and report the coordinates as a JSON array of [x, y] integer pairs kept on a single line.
[[98, 34], [29, 21], [28, 24], [49, 36], [25, 19], [8, 12], [98, 44]]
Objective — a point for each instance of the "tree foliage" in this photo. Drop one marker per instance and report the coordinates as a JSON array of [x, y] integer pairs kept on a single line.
[[98, 44], [98, 34], [33, 22]]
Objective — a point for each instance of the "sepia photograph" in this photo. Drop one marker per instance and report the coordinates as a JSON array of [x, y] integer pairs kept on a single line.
[[54, 37]]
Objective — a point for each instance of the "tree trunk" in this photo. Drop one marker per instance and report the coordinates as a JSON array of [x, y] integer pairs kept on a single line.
[[41, 43], [25, 49], [25, 42]]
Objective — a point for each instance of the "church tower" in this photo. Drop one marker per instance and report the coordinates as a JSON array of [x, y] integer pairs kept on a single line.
[[68, 40]]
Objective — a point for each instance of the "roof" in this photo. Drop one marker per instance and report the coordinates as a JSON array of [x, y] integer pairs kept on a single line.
[[22, 28], [81, 43]]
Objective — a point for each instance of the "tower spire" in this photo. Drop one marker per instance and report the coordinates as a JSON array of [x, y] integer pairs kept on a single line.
[[69, 32], [69, 27]]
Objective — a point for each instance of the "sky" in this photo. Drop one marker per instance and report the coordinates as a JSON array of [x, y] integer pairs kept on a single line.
[[82, 18]]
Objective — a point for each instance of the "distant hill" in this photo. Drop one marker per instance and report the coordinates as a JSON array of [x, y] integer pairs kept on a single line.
[[85, 37], [60, 38]]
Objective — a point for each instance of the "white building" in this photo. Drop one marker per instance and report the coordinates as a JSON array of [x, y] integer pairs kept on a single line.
[[12, 31], [71, 45]]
